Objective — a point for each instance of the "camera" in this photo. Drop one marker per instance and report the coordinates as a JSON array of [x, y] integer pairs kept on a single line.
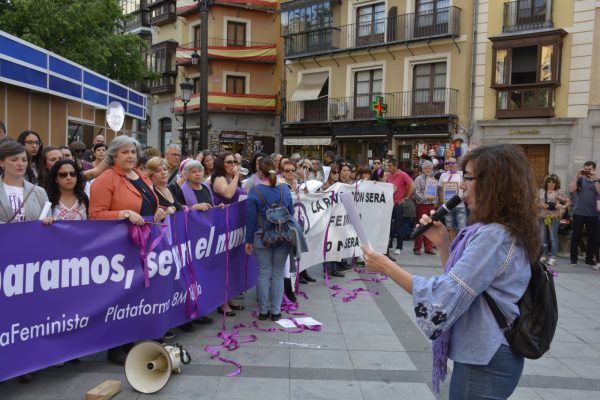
[[551, 205]]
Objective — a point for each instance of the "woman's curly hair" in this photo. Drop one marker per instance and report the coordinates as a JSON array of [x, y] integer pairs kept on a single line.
[[506, 192]]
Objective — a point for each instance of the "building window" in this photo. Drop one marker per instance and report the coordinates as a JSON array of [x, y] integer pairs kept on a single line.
[[531, 11], [160, 57], [370, 21], [526, 74], [432, 17], [236, 33], [306, 29], [429, 89], [163, 13], [196, 83], [165, 133], [367, 86], [197, 36], [236, 84]]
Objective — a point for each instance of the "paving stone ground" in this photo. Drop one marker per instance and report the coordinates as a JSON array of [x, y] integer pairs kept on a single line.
[[369, 348]]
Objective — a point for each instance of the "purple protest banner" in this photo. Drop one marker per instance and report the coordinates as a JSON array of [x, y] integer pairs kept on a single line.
[[75, 288]]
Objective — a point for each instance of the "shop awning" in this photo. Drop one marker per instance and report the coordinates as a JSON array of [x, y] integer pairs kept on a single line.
[[307, 141], [310, 86]]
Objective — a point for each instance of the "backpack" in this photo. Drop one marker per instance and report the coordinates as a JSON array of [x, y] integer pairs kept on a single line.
[[276, 227], [531, 333]]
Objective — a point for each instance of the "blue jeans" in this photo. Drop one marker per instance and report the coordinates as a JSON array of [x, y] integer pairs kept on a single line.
[[269, 283], [497, 380], [550, 236], [456, 219]]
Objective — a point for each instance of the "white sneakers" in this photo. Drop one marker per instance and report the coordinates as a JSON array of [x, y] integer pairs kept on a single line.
[[596, 267], [397, 252], [552, 261]]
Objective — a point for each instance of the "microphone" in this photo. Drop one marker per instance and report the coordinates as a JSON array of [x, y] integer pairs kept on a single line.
[[439, 214]]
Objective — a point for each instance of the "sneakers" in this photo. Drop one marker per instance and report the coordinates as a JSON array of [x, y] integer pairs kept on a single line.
[[552, 261], [543, 258], [573, 264], [433, 253], [397, 252], [596, 267]]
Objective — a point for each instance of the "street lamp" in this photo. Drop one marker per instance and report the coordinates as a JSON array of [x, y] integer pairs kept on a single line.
[[195, 58], [186, 94]]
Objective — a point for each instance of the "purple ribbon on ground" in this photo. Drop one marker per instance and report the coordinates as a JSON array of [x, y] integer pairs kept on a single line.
[[140, 234], [230, 341]]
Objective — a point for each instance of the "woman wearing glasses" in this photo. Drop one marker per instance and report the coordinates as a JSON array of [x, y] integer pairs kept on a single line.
[[34, 148], [491, 255], [65, 188], [226, 188]]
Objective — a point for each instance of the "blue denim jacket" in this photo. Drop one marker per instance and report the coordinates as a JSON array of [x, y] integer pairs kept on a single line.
[[491, 262]]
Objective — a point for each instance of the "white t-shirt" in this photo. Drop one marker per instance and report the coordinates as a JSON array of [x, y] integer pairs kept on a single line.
[[15, 198], [450, 185]]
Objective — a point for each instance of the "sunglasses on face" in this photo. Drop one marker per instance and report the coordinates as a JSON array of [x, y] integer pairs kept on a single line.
[[289, 170], [451, 163], [231, 162], [63, 175]]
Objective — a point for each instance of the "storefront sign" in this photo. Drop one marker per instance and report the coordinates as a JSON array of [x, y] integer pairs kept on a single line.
[[524, 132]]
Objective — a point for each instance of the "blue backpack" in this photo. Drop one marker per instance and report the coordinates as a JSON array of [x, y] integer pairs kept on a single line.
[[276, 227]]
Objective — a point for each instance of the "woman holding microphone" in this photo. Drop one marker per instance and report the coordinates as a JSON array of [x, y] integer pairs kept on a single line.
[[493, 254]]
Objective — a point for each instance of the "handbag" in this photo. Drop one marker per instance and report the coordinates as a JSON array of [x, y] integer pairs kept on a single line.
[[531, 334]]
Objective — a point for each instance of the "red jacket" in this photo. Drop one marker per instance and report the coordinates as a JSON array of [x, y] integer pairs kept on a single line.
[[112, 192]]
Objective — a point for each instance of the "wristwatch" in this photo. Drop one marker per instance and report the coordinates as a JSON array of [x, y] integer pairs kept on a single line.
[[127, 214]]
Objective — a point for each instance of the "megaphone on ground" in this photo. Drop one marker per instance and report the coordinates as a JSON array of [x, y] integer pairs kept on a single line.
[[149, 365]]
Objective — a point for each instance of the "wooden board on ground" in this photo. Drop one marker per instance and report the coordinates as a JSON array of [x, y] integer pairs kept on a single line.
[[104, 391]]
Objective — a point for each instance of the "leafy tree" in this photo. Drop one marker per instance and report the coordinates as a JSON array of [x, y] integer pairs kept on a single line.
[[87, 32]]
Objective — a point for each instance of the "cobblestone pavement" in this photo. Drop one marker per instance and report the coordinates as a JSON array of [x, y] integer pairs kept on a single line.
[[369, 348]]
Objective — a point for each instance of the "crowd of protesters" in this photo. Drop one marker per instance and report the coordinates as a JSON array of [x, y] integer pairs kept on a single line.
[[122, 181]]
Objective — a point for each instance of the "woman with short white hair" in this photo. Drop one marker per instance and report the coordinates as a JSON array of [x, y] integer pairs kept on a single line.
[[193, 192], [426, 197], [123, 191]]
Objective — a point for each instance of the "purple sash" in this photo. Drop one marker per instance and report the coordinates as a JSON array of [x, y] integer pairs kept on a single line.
[[190, 196]]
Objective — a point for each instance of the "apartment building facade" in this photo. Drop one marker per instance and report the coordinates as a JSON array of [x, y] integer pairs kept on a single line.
[[534, 81], [244, 75], [343, 59]]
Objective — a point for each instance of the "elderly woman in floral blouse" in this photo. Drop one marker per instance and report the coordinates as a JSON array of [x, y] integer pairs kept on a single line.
[[425, 196]]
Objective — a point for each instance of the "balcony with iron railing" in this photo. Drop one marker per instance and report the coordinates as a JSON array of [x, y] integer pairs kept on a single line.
[[230, 49], [232, 102], [444, 22], [525, 101], [416, 103], [526, 16]]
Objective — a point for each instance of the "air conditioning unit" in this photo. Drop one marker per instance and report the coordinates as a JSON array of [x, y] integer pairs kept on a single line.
[[338, 110]]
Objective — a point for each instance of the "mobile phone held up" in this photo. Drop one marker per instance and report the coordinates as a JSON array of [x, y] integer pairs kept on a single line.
[[585, 173]]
